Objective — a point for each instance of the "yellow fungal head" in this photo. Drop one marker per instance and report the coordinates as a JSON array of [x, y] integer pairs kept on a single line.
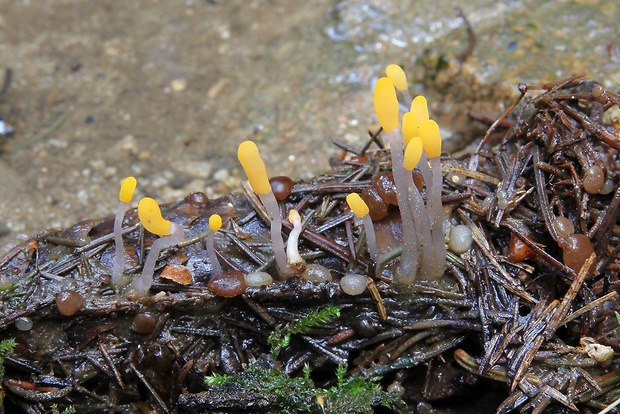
[[357, 205], [386, 104], [254, 167], [151, 218], [431, 138], [413, 153], [215, 222], [293, 216], [127, 188], [419, 106], [411, 125], [396, 74]]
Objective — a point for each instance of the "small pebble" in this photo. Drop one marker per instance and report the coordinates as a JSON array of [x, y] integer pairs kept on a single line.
[[144, 155], [178, 85]]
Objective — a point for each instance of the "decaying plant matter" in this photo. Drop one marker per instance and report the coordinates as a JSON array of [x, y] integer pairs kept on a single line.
[[522, 320]]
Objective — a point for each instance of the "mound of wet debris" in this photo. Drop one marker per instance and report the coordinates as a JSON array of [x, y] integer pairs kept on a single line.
[[522, 319]]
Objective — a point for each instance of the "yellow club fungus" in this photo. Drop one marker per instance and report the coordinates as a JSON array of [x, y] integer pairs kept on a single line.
[[431, 138], [128, 186], [254, 167], [151, 218], [418, 142], [172, 234], [386, 104], [396, 74], [421, 219], [413, 153], [411, 127], [215, 223], [419, 107], [255, 170], [359, 207], [386, 108]]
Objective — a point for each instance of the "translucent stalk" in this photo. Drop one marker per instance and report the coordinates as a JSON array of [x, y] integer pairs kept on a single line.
[[271, 205], [408, 268], [371, 239], [428, 246], [216, 268], [119, 255], [437, 264], [143, 283]]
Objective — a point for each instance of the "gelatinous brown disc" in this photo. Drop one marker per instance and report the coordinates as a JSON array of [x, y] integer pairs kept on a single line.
[[378, 208], [228, 284], [69, 302], [281, 186], [383, 182], [576, 251]]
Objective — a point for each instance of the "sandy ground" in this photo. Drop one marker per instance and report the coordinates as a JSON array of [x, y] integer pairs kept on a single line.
[[166, 90]]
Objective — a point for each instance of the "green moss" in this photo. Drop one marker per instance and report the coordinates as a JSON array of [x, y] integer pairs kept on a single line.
[[289, 394], [358, 394], [68, 410], [6, 349], [281, 337]]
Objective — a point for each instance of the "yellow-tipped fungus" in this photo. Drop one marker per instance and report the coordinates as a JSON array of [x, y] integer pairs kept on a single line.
[[215, 223], [128, 186], [254, 168], [419, 107], [386, 104], [421, 219], [359, 207], [423, 240], [411, 127], [125, 195], [431, 138], [386, 108], [172, 234], [397, 75], [413, 153], [151, 218]]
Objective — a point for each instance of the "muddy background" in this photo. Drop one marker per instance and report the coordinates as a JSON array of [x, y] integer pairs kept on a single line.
[[166, 90]]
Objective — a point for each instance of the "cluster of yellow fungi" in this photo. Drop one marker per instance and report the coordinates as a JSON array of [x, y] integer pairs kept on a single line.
[[415, 141]]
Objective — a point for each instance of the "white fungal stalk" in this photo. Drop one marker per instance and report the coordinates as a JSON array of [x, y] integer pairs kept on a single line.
[[215, 223], [294, 259]]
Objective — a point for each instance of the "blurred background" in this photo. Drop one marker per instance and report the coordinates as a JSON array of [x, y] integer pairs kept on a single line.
[[166, 90]]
